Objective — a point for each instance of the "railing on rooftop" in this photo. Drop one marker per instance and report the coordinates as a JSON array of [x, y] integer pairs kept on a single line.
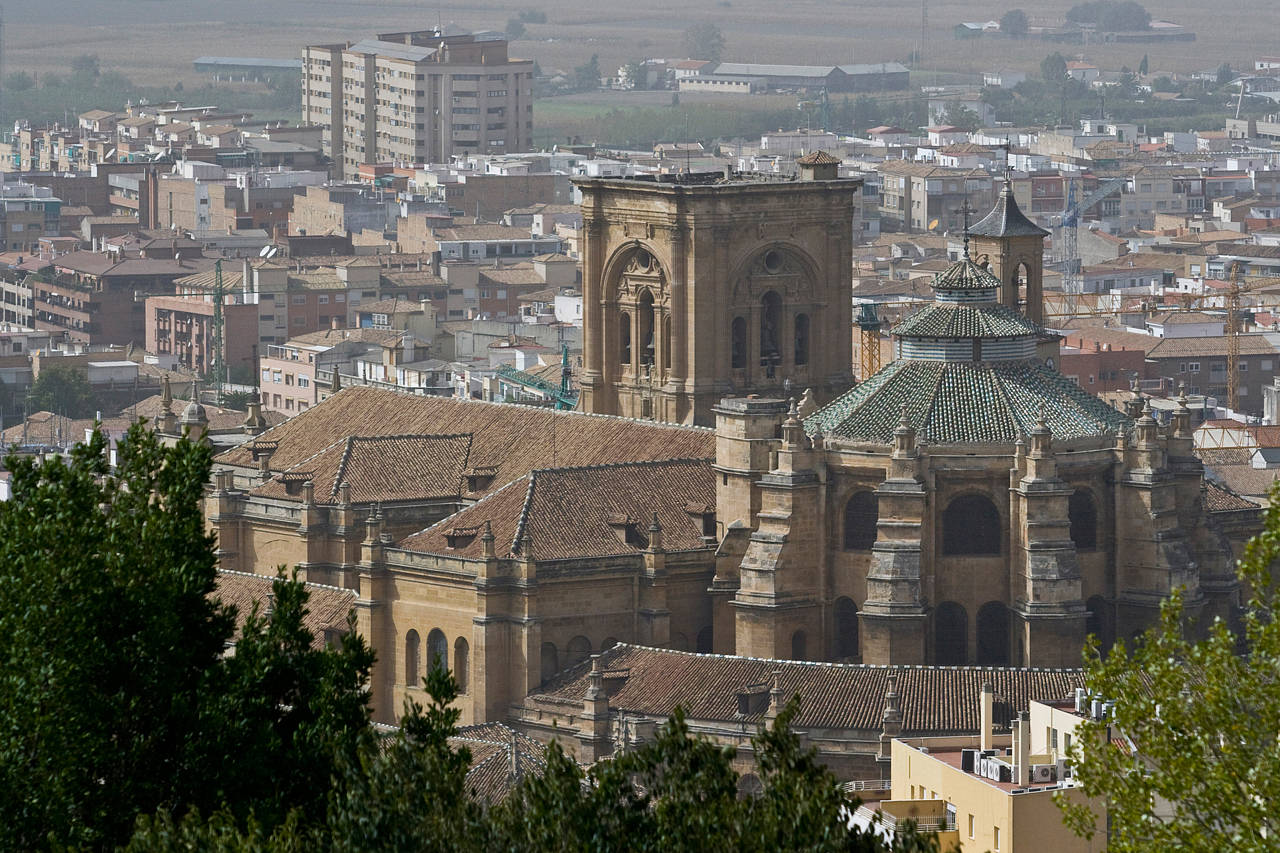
[[941, 823]]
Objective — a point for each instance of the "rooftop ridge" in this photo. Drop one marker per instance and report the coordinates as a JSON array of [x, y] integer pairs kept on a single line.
[[524, 513], [861, 666], [453, 515], [273, 578], [626, 463]]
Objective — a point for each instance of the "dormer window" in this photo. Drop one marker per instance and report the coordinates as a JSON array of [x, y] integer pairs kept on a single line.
[[461, 537], [627, 530]]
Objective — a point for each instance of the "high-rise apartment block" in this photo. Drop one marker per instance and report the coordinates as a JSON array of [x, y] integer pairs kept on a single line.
[[416, 97]]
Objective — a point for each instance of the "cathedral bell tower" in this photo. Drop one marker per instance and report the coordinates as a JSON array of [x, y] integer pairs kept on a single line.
[[1014, 245], [702, 286]]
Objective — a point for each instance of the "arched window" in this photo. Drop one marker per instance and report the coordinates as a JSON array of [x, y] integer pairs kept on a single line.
[[971, 526], [749, 786], [798, 642], [860, 516], [706, 640], [644, 328], [739, 354], [993, 634], [950, 635], [412, 660], [679, 642], [1083, 513], [770, 329], [437, 649], [550, 661], [579, 650], [608, 643], [802, 339], [624, 338], [846, 629], [461, 663]]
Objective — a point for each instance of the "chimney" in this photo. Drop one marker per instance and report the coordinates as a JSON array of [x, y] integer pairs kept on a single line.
[[984, 716], [1022, 749]]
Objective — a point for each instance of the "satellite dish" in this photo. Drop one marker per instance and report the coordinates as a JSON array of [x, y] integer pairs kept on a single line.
[[933, 223], [265, 250], [272, 251]]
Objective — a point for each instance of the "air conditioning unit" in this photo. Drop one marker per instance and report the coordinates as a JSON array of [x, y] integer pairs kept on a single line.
[[1044, 773], [1064, 769], [924, 750]]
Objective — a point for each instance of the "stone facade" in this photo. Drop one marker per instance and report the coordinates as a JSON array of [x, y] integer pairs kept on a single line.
[[701, 287]]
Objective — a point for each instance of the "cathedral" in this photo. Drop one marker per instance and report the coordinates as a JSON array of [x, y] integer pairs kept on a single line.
[[728, 487]]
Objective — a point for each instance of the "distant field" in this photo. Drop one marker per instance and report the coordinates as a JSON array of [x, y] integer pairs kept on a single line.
[[155, 41]]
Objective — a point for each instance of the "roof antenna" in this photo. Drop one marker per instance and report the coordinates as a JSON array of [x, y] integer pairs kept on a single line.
[[965, 209]]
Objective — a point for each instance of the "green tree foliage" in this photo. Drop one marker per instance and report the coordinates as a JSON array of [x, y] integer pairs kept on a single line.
[[1163, 84], [677, 793], [86, 65], [117, 698], [1225, 74], [704, 41], [1143, 66], [1205, 719], [1014, 23], [1111, 15], [515, 29], [533, 16], [62, 390], [958, 115], [19, 81], [637, 74], [1053, 68], [586, 77]]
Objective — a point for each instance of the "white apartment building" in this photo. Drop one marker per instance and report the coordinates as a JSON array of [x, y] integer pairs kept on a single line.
[[417, 97]]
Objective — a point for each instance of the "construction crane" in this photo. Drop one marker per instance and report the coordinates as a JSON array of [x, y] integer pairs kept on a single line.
[[869, 348], [217, 358]]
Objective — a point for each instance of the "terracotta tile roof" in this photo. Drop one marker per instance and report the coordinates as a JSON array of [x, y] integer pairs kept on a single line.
[[1006, 219], [1243, 479], [378, 469], [934, 699], [818, 158], [1218, 498], [1215, 346], [508, 440], [327, 608], [500, 758], [595, 511], [964, 274], [1225, 455]]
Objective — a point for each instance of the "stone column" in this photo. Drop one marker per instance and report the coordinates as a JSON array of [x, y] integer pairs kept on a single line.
[[893, 616]]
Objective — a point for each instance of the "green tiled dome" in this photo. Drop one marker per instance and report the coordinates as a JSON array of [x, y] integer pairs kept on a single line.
[[964, 274], [960, 320], [966, 402]]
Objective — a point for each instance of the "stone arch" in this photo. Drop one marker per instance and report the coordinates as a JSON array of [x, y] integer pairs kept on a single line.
[[750, 264], [799, 644], [678, 641], [578, 650], [950, 634], [749, 786], [706, 640], [971, 527], [412, 658], [846, 619], [437, 649], [993, 634], [608, 643], [462, 663], [861, 517], [550, 660], [1082, 512]]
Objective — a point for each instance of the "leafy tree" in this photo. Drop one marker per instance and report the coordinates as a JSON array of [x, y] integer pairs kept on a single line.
[[1111, 15], [1014, 23], [533, 16], [86, 65], [704, 41], [1206, 722], [1053, 68], [1163, 84], [1225, 74], [19, 81], [1143, 66], [62, 390], [586, 77], [867, 112], [958, 115], [118, 698], [515, 29], [637, 74]]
